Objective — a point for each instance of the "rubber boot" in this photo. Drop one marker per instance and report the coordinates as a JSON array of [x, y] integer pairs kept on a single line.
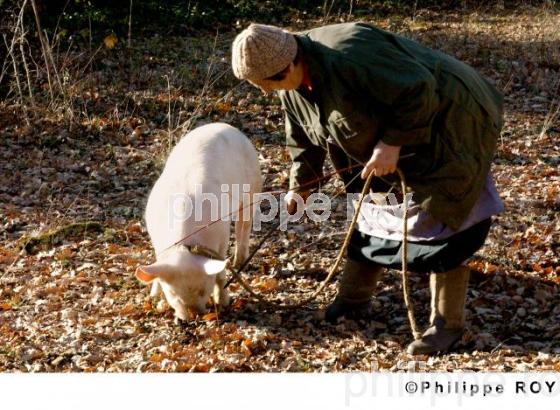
[[356, 286], [447, 318]]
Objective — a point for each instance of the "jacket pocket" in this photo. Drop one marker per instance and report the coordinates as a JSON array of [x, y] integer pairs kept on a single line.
[[345, 127], [316, 134], [355, 133]]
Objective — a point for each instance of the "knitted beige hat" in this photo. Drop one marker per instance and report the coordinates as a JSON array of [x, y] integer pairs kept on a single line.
[[260, 51]]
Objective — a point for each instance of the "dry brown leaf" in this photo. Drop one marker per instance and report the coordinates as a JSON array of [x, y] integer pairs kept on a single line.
[[238, 303], [157, 357], [183, 366], [223, 107], [113, 248], [64, 254], [6, 258], [202, 367], [210, 316], [268, 285], [134, 228], [246, 350], [128, 308]]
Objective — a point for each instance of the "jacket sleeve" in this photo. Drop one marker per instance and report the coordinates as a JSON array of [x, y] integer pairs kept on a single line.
[[307, 159], [407, 92]]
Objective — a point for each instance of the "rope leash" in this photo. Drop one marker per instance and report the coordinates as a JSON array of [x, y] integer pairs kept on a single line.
[[236, 274], [404, 267]]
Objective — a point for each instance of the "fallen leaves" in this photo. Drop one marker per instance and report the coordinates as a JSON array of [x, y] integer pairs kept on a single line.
[[127, 309], [246, 347], [224, 108], [209, 317], [158, 357], [483, 267], [238, 303], [267, 285], [5, 306], [6, 257]]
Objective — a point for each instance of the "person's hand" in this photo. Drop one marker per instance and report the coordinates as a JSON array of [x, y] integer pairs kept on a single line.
[[292, 203], [383, 161]]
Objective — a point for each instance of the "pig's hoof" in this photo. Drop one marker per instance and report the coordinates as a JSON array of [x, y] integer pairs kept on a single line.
[[180, 322], [222, 302]]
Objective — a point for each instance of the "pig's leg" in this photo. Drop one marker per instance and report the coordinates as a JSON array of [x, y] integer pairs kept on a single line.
[[242, 233], [156, 289], [221, 294]]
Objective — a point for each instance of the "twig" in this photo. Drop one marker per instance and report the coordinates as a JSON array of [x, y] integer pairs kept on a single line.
[[327, 11], [10, 49], [130, 25], [16, 76], [49, 48], [89, 32], [60, 17], [43, 47], [169, 132], [25, 66], [87, 65]]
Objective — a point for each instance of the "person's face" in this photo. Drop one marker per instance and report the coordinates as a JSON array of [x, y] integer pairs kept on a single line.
[[290, 81]]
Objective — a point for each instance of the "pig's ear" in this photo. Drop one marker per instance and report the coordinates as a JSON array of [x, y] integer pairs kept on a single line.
[[148, 273], [213, 266]]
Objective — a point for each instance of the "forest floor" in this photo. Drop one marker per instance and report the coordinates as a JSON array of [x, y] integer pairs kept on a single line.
[[71, 302]]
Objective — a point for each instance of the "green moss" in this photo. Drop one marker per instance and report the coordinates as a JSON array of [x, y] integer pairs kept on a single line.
[[55, 237]]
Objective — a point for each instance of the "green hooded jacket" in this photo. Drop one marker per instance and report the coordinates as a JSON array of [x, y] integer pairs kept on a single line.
[[371, 85]]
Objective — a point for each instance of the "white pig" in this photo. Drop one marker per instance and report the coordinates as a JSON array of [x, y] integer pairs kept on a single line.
[[205, 161]]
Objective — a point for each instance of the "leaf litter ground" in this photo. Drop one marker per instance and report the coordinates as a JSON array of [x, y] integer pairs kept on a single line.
[[72, 303]]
